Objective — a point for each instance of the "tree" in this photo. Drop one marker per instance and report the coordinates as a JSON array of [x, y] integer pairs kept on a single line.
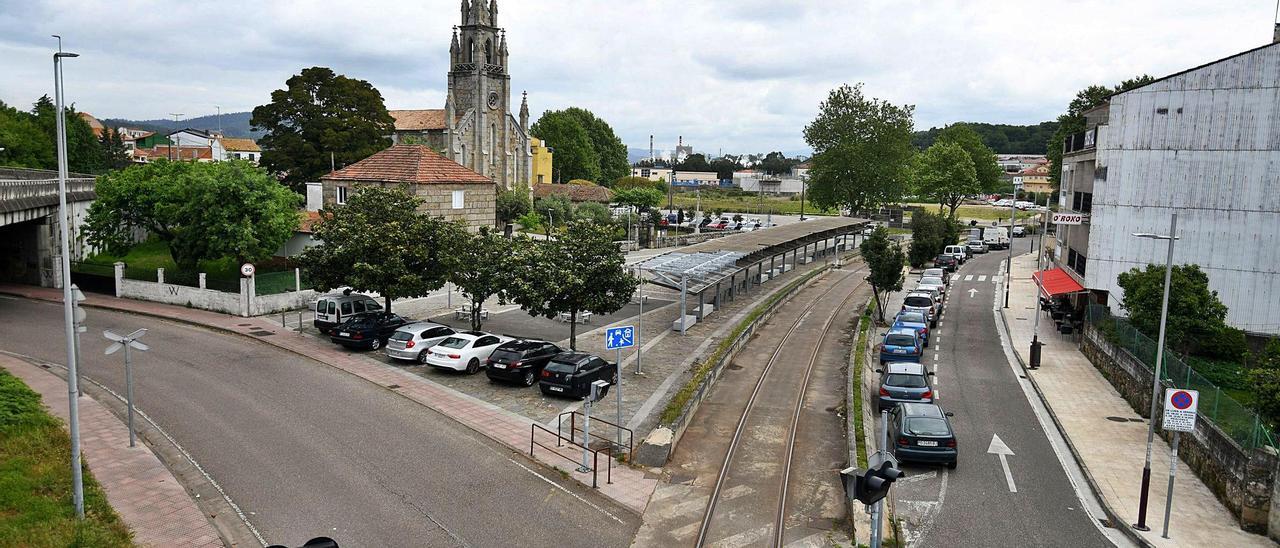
[[1264, 379], [724, 167], [928, 237], [593, 213], [862, 151], [84, 153], [512, 204], [379, 242], [318, 114], [885, 261], [114, 153], [986, 169], [777, 163], [24, 143], [202, 211], [576, 156], [695, 162], [610, 150], [1001, 138], [945, 174], [1074, 122], [554, 209], [481, 271], [1195, 313], [643, 199], [584, 271]]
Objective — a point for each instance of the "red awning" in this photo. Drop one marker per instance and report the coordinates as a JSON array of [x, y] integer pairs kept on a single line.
[[1056, 282]]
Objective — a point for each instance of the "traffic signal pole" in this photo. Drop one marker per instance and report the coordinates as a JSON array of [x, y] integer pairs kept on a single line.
[[877, 516]]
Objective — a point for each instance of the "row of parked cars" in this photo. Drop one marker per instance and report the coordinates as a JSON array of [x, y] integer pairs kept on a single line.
[[504, 359], [919, 430]]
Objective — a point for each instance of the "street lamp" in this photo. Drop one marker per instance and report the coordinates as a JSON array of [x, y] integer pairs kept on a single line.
[[68, 302], [1155, 381]]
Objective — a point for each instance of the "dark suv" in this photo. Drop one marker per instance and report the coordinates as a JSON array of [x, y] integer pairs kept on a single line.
[[947, 262], [367, 331], [520, 361], [570, 374]]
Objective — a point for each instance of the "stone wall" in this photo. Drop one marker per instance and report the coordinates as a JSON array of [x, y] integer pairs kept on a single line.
[[1242, 479], [478, 204]]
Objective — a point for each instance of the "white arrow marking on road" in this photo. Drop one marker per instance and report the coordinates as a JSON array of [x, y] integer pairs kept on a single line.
[[998, 447], [972, 292]]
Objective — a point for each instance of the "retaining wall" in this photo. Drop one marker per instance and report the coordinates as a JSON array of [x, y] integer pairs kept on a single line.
[[246, 303]]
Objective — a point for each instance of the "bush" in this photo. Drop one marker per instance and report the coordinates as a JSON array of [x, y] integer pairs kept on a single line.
[[582, 182], [593, 212], [530, 221], [561, 209], [513, 204]]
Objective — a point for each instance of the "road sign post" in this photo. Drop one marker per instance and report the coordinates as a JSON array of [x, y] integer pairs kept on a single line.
[[127, 342], [617, 338], [1179, 416]]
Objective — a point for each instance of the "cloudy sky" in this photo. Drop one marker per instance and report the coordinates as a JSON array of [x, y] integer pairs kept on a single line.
[[732, 75]]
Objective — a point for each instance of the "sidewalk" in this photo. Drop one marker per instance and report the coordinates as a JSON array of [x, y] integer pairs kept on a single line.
[[157, 509], [630, 487], [1112, 453]]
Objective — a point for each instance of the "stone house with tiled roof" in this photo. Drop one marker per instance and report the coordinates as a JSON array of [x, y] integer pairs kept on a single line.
[[448, 189]]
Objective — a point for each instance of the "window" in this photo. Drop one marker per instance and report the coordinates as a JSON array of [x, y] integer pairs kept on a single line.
[[346, 308], [540, 181], [458, 198], [372, 306], [237, 155], [493, 145], [342, 195], [359, 307]]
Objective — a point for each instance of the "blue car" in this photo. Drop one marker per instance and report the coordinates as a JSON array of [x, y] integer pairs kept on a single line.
[[914, 320], [901, 344]]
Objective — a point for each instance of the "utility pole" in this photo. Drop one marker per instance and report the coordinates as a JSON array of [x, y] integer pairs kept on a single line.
[[1155, 381], [1008, 265], [68, 299], [175, 116], [219, 107]]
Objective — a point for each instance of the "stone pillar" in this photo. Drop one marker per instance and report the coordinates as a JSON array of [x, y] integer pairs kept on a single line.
[[159, 275], [203, 281], [244, 297], [297, 280], [119, 276]]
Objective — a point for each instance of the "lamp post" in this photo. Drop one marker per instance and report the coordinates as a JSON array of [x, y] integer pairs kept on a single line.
[[1155, 381], [1008, 265], [68, 302]]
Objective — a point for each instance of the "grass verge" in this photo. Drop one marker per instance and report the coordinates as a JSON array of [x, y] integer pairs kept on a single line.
[[703, 368], [35, 482], [859, 363]]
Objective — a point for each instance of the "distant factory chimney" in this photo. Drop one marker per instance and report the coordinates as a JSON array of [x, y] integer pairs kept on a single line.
[[1275, 38], [651, 149]]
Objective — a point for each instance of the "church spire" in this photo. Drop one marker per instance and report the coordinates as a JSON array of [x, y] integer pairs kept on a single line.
[[455, 49], [466, 11], [493, 13], [524, 112], [502, 50]]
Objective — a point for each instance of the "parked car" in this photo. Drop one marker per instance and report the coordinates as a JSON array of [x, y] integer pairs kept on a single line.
[[946, 262], [332, 310], [921, 432], [570, 374], [367, 331], [977, 246], [961, 253], [466, 351], [520, 361], [901, 382], [936, 294], [916, 321], [414, 341], [901, 345], [1019, 231], [923, 303], [934, 283], [937, 273]]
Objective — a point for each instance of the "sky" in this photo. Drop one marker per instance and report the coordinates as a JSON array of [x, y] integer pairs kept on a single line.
[[737, 76]]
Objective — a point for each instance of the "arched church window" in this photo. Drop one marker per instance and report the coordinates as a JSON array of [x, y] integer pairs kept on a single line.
[[471, 50], [488, 51], [493, 145]]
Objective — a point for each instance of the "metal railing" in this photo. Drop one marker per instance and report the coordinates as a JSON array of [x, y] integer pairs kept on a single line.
[[1085, 140], [573, 432], [560, 442], [19, 189], [1235, 419]]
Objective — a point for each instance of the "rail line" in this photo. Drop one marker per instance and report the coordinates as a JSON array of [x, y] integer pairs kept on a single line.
[[791, 437]]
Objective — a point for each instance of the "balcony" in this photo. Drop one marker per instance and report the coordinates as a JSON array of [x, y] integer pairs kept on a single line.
[[1080, 142]]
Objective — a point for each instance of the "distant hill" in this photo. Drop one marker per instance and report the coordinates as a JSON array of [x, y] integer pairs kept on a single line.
[[234, 124], [1002, 138]]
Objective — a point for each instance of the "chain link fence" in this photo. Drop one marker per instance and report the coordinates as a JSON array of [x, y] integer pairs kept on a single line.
[[1239, 422]]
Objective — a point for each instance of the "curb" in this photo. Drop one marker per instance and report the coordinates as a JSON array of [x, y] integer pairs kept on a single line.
[[1116, 521]]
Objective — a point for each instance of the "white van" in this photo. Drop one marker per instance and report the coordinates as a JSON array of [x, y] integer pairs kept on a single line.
[[334, 309], [961, 253]]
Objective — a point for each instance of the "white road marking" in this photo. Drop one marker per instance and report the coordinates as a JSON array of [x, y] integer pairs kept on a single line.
[[935, 356], [998, 448], [918, 477], [982, 278], [568, 492], [968, 278], [972, 292]]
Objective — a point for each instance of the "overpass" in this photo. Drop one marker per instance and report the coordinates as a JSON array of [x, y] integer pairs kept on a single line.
[[28, 223]]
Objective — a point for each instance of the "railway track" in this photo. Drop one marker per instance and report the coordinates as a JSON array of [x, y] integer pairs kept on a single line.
[[784, 389]]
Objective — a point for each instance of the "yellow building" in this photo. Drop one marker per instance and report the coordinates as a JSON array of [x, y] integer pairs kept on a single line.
[[1035, 179], [542, 154]]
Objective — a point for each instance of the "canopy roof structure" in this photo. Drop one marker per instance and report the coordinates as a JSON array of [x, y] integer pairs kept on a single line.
[[1056, 282], [697, 270]]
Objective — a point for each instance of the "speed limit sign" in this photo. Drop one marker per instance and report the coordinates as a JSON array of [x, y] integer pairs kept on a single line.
[[247, 270]]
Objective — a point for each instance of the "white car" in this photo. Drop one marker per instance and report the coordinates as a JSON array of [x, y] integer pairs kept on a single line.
[[933, 284], [467, 351]]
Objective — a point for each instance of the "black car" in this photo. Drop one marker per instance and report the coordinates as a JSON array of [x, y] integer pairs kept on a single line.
[[570, 374], [520, 361], [921, 432], [946, 262], [367, 331]]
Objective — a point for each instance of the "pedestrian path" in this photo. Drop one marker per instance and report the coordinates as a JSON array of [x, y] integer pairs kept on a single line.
[[630, 486], [1111, 452], [155, 507]]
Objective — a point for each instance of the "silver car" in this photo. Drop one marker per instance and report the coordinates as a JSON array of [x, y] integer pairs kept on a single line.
[[412, 341], [924, 303]]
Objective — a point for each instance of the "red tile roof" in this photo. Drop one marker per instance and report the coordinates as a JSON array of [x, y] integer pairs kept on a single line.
[[308, 222], [575, 193], [416, 164], [419, 120], [240, 145]]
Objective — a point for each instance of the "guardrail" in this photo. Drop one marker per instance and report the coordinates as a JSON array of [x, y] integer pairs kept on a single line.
[[573, 431], [17, 189], [595, 459]]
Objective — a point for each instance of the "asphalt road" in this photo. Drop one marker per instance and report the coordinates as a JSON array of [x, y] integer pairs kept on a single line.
[[974, 505], [307, 450]]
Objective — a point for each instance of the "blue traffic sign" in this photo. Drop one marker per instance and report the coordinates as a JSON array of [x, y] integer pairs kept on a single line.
[[617, 338]]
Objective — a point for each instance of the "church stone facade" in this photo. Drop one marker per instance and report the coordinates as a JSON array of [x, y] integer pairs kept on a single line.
[[476, 127]]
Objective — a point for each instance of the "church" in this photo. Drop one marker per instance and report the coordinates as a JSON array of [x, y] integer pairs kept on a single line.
[[476, 128]]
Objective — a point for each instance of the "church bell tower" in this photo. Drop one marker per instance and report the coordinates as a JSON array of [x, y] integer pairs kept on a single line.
[[479, 84]]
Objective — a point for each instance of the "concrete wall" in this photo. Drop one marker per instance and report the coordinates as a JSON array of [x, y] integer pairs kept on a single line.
[[1243, 479], [245, 303]]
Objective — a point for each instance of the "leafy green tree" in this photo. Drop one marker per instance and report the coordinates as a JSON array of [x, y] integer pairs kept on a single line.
[[25, 145], [576, 156], [777, 163], [481, 269], [583, 271], [724, 167], [1074, 122], [945, 174], [200, 210], [379, 242], [320, 113], [1264, 380], [1195, 313], [885, 261], [928, 237], [643, 199], [862, 151], [986, 169], [114, 153], [84, 153], [629, 182], [608, 147], [1001, 138], [594, 213], [695, 162], [554, 209], [512, 204]]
